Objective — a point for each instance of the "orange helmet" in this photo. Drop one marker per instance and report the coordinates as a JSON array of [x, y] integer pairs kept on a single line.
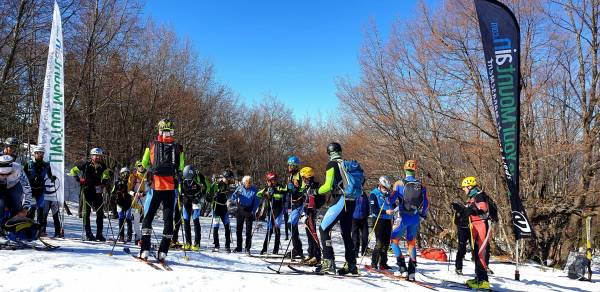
[[410, 165]]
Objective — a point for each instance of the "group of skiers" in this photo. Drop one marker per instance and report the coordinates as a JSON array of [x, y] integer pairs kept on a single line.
[[393, 209]]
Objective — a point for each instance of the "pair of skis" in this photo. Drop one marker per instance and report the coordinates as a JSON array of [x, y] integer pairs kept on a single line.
[[390, 274], [19, 244], [160, 266]]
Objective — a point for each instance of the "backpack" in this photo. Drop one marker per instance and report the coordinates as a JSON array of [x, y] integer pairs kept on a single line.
[[492, 209], [166, 158], [413, 196], [578, 268], [436, 254], [353, 177], [22, 228]]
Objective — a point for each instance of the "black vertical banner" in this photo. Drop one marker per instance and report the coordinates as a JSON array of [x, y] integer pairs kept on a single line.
[[501, 45]]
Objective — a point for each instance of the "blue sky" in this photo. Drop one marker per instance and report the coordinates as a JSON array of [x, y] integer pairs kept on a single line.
[[294, 50]]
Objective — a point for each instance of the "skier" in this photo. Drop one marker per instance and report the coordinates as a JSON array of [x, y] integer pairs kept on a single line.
[[274, 196], [164, 159], [360, 225], [15, 192], [92, 176], [193, 189], [248, 201], [341, 210], [136, 186], [38, 171], [124, 201], [478, 214], [382, 210], [293, 184], [312, 204], [461, 220], [222, 191], [412, 206], [295, 200]]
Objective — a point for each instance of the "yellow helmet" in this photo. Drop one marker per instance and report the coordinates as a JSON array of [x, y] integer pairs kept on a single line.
[[165, 125], [307, 172], [410, 165], [470, 181]]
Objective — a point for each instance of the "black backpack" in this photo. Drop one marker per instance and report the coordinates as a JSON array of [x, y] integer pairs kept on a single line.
[[578, 268], [492, 209], [413, 196]]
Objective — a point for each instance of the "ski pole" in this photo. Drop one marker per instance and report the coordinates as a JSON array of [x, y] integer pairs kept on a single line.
[[185, 257], [371, 234], [122, 227], [283, 258]]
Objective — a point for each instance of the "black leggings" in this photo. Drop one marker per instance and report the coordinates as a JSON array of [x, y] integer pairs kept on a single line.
[[153, 200], [360, 235]]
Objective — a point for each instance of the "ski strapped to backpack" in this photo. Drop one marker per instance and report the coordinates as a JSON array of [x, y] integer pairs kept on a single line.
[[353, 177]]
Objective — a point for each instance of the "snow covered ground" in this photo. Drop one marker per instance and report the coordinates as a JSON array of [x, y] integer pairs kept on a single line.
[[84, 266]]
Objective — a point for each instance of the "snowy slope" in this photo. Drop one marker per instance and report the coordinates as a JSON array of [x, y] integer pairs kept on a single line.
[[83, 266]]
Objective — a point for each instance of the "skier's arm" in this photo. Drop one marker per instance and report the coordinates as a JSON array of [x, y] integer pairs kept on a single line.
[[26, 189], [255, 202], [374, 204], [328, 184], [146, 158]]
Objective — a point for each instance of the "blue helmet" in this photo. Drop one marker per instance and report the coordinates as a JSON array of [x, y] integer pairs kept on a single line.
[[293, 160]]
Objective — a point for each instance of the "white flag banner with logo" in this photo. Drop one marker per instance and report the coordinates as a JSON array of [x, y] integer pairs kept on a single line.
[[52, 117]]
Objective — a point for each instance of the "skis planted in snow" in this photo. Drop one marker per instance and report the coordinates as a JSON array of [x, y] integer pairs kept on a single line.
[[312, 272], [391, 275]]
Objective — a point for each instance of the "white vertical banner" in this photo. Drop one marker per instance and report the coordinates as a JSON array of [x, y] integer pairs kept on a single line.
[[52, 116]]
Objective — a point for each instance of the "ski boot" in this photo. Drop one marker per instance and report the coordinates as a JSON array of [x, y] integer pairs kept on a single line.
[[216, 248], [144, 254], [263, 251], [349, 268], [401, 265], [196, 247], [458, 272], [411, 270], [228, 250], [474, 284], [327, 266], [100, 238], [129, 237], [384, 266], [121, 238], [89, 237], [237, 249], [248, 252], [312, 262], [162, 256]]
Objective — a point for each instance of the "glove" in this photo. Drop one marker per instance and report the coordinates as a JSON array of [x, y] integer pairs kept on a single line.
[[82, 181], [457, 207], [53, 178]]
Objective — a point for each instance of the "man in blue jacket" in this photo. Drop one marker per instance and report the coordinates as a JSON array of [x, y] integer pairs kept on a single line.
[[245, 196], [382, 210]]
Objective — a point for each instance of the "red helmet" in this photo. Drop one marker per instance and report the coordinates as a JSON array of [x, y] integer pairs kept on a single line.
[[271, 176]]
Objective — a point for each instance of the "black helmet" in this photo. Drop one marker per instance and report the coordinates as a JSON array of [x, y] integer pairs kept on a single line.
[[11, 141], [189, 172], [334, 147], [227, 174]]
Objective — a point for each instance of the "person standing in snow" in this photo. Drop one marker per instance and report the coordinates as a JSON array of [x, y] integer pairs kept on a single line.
[[274, 195], [247, 200], [412, 206]]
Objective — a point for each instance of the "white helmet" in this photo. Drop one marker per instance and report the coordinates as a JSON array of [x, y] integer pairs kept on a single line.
[[6, 164], [385, 182], [96, 151], [39, 148], [124, 170]]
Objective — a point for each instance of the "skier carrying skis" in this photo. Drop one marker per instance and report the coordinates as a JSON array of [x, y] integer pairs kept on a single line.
[[248, 201], [15, 192], [136, 186], [341, 210], [274, 195], [222, 191], [312, 204], [412, 206], [124, 201], [38, 171], [382, 211], [164, 159], [295, 200], [93, 176], [193, 189], [477, 210]]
